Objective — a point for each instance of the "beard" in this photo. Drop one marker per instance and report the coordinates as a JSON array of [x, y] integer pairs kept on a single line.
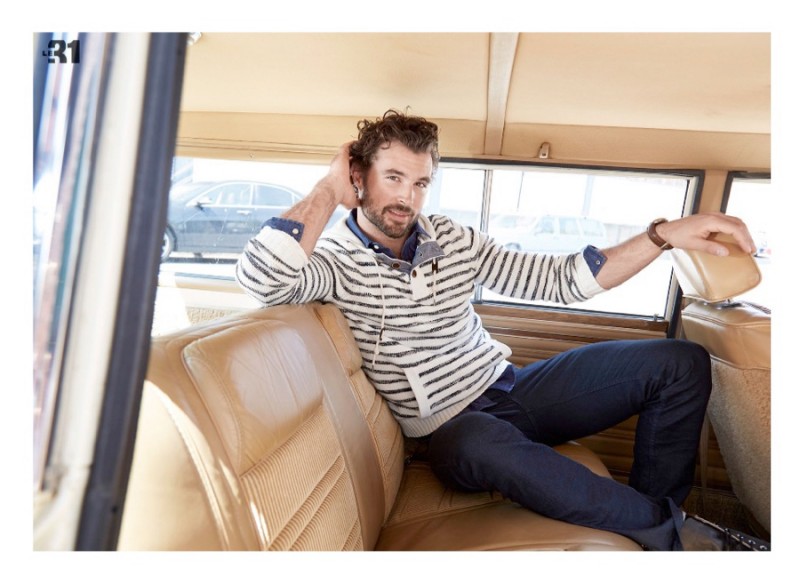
[[377, 216]]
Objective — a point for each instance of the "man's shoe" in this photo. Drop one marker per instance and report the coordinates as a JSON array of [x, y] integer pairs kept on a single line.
[[700, 534]]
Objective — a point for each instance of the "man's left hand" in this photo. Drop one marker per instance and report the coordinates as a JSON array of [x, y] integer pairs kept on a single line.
[[697, 232]]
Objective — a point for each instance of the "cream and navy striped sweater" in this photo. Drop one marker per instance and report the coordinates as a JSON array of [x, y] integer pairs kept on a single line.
[[424, 347]]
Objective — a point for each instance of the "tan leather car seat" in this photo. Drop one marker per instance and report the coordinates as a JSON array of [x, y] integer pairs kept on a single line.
[[260, 431], [737, 336]]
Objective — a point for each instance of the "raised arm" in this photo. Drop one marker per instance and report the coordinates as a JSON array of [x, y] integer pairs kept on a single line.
[[694, 232], [276, 266], [334, 189]]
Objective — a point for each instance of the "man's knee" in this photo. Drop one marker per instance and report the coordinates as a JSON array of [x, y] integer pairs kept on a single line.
[[690, 366], [696, 360]]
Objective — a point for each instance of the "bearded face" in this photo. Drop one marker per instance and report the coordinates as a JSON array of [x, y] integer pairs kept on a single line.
[[393, 191], [394, 220]]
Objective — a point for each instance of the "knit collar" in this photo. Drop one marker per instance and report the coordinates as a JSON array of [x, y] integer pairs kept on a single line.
[[409, 249]]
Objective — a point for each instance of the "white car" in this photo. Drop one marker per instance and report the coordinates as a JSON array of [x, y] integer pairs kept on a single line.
[[550, 233]]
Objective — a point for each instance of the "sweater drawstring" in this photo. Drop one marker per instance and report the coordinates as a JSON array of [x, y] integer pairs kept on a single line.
[[383, 318], [434, 272]]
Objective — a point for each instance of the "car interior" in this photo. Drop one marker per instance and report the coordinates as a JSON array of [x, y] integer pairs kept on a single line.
[[173, 413], [260, 431]]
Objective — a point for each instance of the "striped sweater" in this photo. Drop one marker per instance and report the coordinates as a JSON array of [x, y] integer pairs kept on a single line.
[[424, 347]]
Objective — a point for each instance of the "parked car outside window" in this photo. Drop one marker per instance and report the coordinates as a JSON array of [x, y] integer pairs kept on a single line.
[[551, 234], [220, 217]]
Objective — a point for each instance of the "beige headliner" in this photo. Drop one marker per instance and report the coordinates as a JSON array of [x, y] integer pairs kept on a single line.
[[686, 99]]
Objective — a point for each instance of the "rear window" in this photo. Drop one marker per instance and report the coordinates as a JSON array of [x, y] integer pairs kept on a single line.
[[525, 207]]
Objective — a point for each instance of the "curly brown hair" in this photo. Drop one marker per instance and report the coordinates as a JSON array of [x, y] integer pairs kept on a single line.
[[414, 132]]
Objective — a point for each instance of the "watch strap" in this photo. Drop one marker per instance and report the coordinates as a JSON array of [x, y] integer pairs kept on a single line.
[[655, 238]]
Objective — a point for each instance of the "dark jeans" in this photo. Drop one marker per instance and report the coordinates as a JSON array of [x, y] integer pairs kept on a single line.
[[507, 446]]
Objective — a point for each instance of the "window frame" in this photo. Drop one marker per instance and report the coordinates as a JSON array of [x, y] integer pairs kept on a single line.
[[692, 202], [739, 175], [121, 142], [694, 193], [726, 196]]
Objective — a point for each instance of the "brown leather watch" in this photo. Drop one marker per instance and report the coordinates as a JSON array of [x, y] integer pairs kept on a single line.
[[655, 238]]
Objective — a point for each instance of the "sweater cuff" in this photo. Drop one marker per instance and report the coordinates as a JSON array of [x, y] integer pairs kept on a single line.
[[285, 244], [587, 282], [292, 227], [594, 258]]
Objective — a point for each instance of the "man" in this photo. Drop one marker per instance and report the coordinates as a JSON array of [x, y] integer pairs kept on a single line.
[[404, 282]]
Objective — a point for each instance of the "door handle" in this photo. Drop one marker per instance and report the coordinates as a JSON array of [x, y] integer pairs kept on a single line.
[[244, 212]]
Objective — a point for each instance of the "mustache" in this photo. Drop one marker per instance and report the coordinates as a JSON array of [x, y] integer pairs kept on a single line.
[[398, 208]]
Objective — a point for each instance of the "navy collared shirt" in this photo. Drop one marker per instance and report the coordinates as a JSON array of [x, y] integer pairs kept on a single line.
[[409, 246]]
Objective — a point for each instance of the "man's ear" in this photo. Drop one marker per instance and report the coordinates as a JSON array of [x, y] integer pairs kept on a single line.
[[357, 177]]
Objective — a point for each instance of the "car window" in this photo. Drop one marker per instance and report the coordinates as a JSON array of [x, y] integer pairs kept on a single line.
[[519, 206], [569, 226], [209, 196], [593, 228], [273, 196], [615, 205], [750, 198], [510, 221], [504, 221], [237, 194], [544, 226]]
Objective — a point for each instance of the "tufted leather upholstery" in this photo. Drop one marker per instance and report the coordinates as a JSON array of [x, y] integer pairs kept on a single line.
[[261, 432]]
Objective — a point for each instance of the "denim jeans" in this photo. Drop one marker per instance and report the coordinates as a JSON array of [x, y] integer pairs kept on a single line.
[[507, 446]]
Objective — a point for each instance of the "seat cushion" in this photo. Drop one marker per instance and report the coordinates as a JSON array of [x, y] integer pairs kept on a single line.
[[261, 432], [429, 516]]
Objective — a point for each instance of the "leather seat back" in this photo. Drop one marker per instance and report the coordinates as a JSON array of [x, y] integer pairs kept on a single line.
[[234, 443], [261, 432], [737, 336]]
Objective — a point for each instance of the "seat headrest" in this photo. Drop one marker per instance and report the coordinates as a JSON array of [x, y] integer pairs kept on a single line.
[[711, 278]]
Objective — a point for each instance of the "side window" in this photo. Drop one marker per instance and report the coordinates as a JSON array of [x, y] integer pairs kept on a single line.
[[57, 223], [457, 193], [204, 242], [750, 198], [272, 196], [569, 226], [593, 229], [236, 194], [576, 207], [520, 206], [210, 196], [545, 225]]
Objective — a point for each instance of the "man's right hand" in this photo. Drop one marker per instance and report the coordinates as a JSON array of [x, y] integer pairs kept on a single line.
[[339, 180], [334, 189]]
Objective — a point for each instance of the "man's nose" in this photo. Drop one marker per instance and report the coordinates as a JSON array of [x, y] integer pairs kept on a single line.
[[406, 194]]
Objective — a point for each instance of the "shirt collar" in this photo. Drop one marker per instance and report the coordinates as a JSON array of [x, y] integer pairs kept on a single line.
[[409, 247]]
